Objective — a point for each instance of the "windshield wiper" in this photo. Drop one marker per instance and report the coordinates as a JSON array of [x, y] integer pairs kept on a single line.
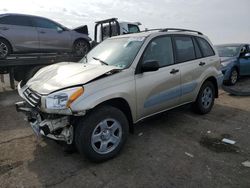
[[103, 62]]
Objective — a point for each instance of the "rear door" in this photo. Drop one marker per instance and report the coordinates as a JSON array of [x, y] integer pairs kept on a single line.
[[161, 89], [193, 62], [19, 31], [245, 63], [52, 37]]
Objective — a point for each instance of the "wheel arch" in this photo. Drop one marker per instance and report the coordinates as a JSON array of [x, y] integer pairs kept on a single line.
[[237, 68], [81, 38], [214, 81], [122, 105]]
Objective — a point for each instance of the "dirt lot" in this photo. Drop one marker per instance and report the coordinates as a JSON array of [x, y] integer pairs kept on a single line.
[[153, 157]]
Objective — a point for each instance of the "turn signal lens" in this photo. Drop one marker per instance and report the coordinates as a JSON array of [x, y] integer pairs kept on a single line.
[[74, 96]]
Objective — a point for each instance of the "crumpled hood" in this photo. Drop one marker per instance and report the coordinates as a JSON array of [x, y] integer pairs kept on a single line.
[[65, 74]]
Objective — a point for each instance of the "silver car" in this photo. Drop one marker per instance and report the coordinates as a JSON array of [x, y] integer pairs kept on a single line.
[[93, 104], [26, 33]]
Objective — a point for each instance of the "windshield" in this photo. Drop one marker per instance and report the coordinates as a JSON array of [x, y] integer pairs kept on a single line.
[[119, 52], [228, 51]]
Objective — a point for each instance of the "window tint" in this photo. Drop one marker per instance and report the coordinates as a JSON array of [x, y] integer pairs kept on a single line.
[[184, 49], [133, 28], [44, 23], [207, 50], [197, 49], [106, 31], [160, 49], [16, 20]]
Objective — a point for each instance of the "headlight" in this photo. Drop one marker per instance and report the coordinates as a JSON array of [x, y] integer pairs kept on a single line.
[[63, 99]]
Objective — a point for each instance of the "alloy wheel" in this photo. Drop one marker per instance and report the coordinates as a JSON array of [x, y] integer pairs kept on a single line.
[[234, 76], [106, 136], [81, 48], [207, 97]]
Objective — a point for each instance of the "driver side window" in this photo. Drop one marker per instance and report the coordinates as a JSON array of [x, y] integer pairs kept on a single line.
[[44, 23], [160, 49]]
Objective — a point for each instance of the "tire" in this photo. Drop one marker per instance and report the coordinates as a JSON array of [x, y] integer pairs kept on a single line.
[[94, 136], [233, 78], [67, 148], [205, 98], [5, 48], [81, 48]]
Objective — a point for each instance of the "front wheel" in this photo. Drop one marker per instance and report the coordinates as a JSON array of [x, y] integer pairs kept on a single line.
[[205, 99], [81, 48], [233, 78], [102, 133]]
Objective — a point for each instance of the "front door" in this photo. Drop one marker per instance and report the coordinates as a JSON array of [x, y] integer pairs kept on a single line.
[[159, 90], [19, 31], [245, 63], [52, 37]]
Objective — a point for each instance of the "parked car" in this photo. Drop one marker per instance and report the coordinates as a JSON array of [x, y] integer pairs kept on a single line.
[[235, 61], [94, 103], [25, 33]]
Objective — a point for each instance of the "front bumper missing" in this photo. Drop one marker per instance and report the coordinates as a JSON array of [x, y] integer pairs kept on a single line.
[[57, 128]]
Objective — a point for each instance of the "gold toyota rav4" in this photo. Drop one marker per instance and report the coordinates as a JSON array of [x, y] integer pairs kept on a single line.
[[93, 104]]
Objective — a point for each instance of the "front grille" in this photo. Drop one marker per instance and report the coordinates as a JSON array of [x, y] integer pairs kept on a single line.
[[32, 97]]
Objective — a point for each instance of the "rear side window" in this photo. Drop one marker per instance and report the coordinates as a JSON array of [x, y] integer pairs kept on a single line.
[[197, 49], [160, 49], [16, 20], [206, 49], [184, 49], [44, 23], [133, 28]]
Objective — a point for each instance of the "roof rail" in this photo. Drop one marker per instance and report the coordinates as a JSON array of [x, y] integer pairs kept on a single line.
[[179, 29], [151, 30]]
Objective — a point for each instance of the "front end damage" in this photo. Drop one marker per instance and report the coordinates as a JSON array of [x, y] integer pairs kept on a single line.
[[56, 127]]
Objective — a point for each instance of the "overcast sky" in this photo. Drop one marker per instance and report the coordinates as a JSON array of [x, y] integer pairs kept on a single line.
[[223, 21]]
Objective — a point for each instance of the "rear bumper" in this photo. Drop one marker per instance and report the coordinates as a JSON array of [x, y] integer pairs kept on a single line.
[[51, 126]]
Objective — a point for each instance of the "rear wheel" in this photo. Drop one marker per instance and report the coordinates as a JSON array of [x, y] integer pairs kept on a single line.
[[5, 49], [102, 134], [205, 99], [81, 48]]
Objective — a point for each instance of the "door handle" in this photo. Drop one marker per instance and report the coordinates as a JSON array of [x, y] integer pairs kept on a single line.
[[202, 63], [173, 71], [4, 28], [42, 32]]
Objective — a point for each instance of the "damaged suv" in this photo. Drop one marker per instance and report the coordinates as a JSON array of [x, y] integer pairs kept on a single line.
[[93, 104]]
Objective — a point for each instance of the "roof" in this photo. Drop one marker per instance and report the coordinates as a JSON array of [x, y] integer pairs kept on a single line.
[[233, 44], [19, 14]]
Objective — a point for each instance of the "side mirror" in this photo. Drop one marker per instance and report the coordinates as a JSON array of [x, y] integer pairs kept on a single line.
[[150, 65], [246, 55]]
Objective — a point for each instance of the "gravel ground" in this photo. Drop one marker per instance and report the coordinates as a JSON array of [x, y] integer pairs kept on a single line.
[[165, 151]]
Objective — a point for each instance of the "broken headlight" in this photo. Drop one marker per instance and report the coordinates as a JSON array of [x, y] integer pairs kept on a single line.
[[63, 99]]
